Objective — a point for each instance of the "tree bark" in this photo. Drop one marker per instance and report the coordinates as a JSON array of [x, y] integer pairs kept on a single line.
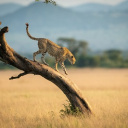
[[9, 56]]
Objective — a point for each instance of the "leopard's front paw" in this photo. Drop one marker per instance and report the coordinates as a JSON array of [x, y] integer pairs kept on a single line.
[[66, 73], [46, 63], [57, 70]]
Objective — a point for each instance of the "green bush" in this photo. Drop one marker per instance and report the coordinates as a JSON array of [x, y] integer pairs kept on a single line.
[[69, 110]]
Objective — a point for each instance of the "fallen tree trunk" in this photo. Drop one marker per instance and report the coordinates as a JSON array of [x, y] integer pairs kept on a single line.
[[9, 56]]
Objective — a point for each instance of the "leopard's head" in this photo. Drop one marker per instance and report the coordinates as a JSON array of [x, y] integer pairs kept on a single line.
[[71, 58]]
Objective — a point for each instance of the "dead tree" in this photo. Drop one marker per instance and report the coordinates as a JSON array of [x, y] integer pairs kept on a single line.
[[9, 56]]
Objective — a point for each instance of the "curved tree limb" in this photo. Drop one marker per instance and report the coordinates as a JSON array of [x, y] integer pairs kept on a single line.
[[9, 56]]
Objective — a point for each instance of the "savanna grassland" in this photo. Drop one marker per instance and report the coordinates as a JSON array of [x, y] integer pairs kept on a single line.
[[33, 102]]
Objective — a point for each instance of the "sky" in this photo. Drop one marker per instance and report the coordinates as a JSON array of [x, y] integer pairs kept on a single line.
[[66, 3]]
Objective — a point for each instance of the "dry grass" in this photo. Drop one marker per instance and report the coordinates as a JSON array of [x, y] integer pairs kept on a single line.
[[33, 102]]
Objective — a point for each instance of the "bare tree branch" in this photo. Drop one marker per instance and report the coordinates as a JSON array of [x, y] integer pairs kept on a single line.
[[16, 77], [69, 88]]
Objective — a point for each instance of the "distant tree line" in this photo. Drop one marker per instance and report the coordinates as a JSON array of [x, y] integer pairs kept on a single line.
[[110, 58]]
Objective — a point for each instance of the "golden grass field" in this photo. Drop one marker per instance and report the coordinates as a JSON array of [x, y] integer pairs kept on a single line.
[[33, 102]]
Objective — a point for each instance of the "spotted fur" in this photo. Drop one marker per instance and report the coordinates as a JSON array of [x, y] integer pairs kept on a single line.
[[60, 53]]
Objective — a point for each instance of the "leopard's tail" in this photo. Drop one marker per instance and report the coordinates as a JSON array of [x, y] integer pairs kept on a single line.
[[33, 38]]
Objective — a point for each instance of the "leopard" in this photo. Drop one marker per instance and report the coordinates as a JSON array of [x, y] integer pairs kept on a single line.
[[47, 46]]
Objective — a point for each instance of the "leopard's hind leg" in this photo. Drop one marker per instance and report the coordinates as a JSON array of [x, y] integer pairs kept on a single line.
[[36, 53], [42, 58]]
